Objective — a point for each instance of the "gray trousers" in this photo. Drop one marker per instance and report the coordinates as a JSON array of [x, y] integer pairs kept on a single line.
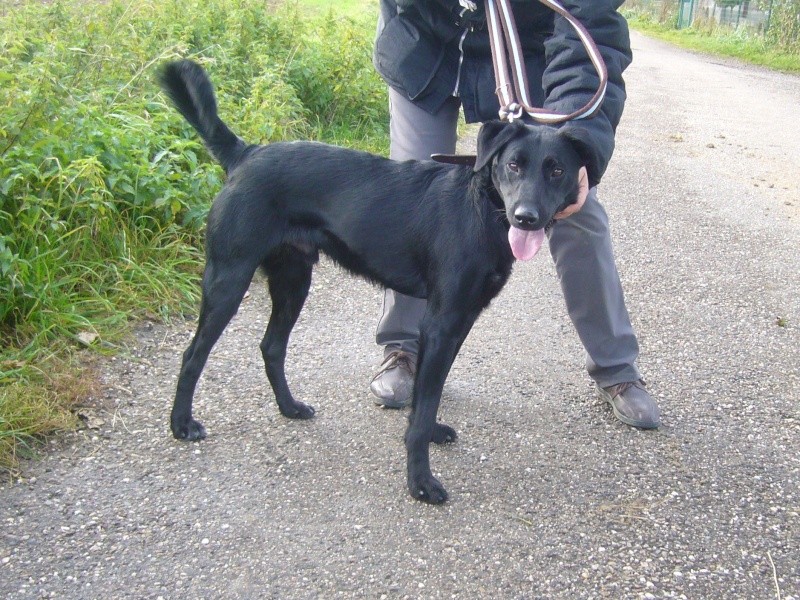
[[580, 246]]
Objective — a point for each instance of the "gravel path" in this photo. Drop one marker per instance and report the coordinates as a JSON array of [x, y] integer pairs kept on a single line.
[[550, 496]]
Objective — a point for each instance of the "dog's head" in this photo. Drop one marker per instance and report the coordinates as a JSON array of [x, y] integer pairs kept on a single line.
[[535, 170]]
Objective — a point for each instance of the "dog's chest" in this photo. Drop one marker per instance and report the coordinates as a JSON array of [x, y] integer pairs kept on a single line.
[[495, 280]]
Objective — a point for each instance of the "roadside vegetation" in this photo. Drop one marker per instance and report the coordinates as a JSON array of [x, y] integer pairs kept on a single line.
[[346, 7], [778, 48], [104, 188]]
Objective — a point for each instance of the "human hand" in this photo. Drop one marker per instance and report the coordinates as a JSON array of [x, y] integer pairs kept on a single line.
[[583, 191]]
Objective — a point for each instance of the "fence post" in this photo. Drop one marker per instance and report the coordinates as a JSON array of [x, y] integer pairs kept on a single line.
[[685, 15], [769, 17]]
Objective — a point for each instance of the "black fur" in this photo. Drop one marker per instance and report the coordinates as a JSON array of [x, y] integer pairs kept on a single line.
[[422, 228]]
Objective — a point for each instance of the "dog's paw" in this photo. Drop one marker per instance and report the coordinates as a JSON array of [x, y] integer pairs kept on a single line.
[[427, 488], [190, 431], [442, 434], [298, 410]]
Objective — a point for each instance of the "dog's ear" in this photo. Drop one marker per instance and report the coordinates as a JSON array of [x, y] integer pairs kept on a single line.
[[581, 140], [492, 137]]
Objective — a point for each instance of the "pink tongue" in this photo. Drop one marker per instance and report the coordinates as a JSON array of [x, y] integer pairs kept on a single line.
[[525, 244]]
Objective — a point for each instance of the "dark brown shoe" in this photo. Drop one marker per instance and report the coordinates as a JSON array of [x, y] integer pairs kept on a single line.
[[632, 404], [394, 381]]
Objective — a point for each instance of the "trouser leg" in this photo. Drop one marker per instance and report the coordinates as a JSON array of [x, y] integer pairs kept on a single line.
[[584, 259], [414, 134]]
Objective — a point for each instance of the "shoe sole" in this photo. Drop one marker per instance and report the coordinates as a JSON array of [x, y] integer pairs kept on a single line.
[[390, 403]]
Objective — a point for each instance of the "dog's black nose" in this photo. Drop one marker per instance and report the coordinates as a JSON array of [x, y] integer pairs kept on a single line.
[[526, 217]]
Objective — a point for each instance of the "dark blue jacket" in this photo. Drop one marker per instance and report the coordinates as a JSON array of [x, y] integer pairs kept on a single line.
[[417, 53]]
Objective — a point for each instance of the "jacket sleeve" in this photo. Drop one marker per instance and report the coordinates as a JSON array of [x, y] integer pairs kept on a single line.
[[570, 79]]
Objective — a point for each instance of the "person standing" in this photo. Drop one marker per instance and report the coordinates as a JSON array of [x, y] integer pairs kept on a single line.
[[435, 58]]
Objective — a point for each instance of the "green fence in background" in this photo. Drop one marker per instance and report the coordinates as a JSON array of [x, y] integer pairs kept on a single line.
[[752, 14]]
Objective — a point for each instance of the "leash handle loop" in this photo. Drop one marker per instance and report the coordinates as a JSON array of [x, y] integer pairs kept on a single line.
[[512, 86]]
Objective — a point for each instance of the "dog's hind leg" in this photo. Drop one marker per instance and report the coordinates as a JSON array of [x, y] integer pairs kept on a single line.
[[223, 290], [289, 275]]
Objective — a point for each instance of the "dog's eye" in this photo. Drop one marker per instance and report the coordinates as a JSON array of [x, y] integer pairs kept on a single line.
[[513, 167], [557, 172]]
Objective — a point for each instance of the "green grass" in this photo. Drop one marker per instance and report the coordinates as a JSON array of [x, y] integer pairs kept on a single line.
[[36, 405], [721, 41], [344, 7], [104, 188]]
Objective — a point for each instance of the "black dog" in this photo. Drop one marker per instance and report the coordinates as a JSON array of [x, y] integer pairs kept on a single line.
[[428, 230]]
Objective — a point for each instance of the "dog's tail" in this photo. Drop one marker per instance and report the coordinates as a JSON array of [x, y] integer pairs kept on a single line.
[[190, 90]]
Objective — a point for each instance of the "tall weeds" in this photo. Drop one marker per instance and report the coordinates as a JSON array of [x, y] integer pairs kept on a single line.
[[784, 29]]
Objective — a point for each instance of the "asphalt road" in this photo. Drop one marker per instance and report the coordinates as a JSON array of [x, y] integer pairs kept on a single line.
[[550, 496]]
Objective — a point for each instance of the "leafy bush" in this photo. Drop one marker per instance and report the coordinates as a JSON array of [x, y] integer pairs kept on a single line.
[[104, 188]]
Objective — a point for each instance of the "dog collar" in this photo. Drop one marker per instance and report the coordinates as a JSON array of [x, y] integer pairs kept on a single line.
[[455, 159]]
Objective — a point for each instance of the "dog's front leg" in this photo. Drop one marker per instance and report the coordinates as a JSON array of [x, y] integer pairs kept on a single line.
[[441, 336]]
